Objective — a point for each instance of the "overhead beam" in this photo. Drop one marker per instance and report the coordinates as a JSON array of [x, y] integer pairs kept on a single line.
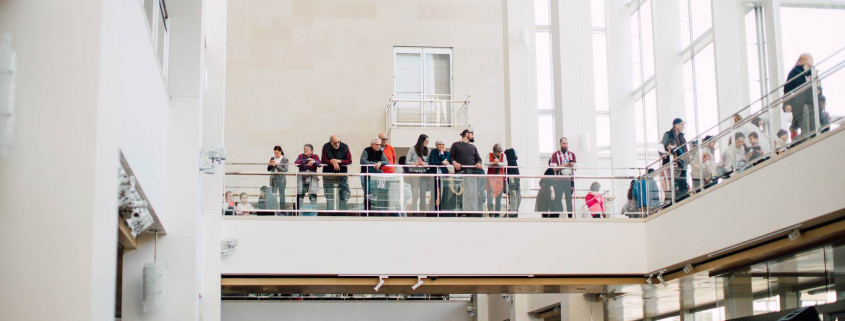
[[357, 285]]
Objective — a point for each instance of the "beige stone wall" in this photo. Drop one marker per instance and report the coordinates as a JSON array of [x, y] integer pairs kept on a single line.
[[301, 70]]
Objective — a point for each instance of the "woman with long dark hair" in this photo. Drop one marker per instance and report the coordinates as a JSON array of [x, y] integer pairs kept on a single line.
[[418, 157]]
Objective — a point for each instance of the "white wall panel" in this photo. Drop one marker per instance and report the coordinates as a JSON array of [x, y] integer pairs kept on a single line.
[[348, 311], [273, 246]]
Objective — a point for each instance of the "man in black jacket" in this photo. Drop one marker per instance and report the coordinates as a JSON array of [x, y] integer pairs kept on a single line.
[[336, 157], [676, 135], [514, 195]]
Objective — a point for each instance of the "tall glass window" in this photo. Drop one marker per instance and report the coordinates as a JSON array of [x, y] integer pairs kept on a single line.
[[545, 76], [755, 42], [600, 77], [642, 44], [701, 97], [696, 19], [645, 97]]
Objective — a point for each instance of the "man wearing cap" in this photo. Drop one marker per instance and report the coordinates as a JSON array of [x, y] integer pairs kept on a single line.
[[464, 156], [676, 134]]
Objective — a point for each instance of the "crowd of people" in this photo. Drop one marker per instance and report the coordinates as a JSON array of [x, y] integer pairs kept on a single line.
[[466, 195], [748, 145]]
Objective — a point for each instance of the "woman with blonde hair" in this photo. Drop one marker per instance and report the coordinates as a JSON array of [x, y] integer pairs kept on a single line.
[[800, 104]]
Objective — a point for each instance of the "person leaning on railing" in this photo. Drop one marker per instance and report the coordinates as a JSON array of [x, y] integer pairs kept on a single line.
[[392, 187], [495, 185], [564, 162], [438, 157], [336, 156], [466, 160], [307, 162], [372, 161], [418, 157]]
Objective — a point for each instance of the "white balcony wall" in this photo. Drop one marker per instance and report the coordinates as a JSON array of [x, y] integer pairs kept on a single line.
[[349, 311], [751, 206], [433, 247]]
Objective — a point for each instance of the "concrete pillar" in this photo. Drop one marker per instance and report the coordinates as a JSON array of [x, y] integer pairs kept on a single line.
[[182, 246], [789, 297], [482, 306], [520, 80], [574, 94], [519, 308], [579, 307], [687, 299], [58, 231], [731, 58], [214, 101], [738, 296]]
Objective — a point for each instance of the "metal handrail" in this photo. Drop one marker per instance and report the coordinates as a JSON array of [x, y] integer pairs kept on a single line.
[[762, 98], [695, 152]]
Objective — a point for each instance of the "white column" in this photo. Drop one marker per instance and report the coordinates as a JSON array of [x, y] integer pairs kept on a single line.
[[668, 64], [482, 306], [620, 85], [519, 308], [774, 54], [520, 80], [574, 98], [58, 184], [214, 101], [580, 307], [182, 246], [731, 58]]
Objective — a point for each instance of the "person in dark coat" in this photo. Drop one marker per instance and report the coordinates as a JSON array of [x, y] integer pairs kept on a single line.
[[267, 201], [546, 196], [514, 194], [800, 104], [438, 157]]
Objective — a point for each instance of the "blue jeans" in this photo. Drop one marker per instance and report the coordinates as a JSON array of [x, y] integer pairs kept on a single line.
[[342, 185]]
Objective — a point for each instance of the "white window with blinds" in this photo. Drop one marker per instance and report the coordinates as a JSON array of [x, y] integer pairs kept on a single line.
[[425, 76]]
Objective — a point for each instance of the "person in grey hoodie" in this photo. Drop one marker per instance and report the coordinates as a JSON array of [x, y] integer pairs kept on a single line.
[[278, 164]]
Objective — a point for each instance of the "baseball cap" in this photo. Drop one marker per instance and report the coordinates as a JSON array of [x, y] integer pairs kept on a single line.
[[677, 121]]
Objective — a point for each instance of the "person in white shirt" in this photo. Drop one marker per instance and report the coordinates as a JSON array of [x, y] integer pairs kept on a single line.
[[736, 148], [244, 207], [703, 171], [781, 140]]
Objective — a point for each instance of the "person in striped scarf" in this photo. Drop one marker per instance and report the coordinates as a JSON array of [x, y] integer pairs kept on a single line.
[[563, 163]]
